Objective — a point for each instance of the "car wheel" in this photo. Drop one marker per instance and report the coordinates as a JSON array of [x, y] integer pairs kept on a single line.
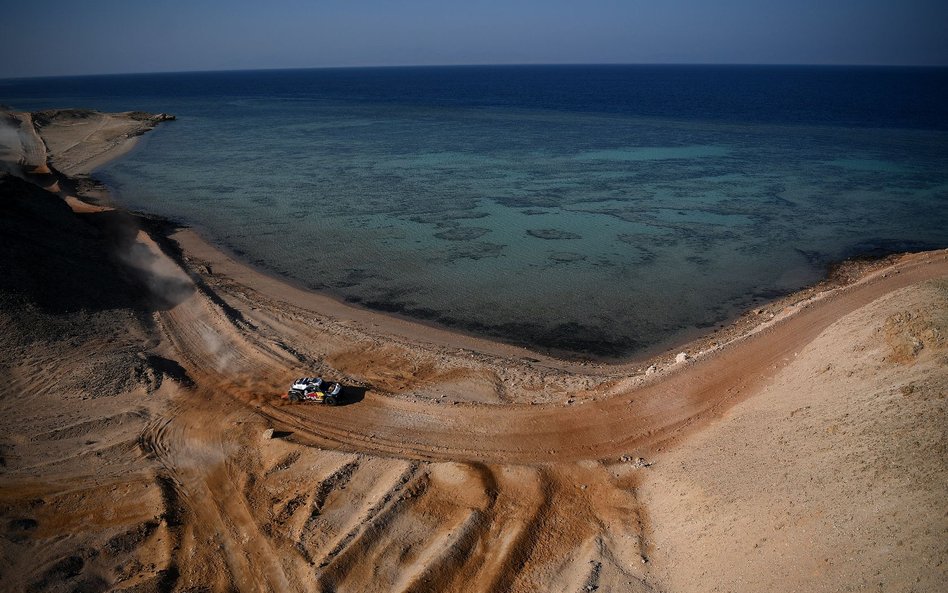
[[330, 400], [295, 397]]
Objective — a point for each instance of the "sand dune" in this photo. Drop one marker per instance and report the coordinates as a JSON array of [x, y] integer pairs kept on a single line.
[[145, 445]]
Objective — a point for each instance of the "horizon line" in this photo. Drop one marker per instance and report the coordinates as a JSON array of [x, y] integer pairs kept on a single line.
[[486, 64]]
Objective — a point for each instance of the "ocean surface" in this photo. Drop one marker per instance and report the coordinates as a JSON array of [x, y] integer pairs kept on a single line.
[[586, 211]]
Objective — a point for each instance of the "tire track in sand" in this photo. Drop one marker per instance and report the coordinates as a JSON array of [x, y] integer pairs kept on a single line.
[[527, 512], [635, 420]]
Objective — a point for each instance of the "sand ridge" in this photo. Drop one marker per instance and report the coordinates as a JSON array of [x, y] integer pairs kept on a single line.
[[456, 465]]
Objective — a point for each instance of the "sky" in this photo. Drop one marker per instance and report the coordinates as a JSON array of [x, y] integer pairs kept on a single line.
[[49, 38]]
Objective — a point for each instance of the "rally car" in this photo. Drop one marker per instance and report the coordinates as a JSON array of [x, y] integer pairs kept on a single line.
[[314, 389]]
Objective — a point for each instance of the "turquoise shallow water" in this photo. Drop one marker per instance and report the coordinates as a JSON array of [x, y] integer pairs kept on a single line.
[[577, 232], [574, 231]]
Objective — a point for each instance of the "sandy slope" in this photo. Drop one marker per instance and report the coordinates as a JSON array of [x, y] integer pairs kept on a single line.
[[458, 465], [833, 477]]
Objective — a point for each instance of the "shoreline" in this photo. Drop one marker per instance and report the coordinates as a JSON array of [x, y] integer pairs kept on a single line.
[[85, 192], [93, 193], [203, 252]]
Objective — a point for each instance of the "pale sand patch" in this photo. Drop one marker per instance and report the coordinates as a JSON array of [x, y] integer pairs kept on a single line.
[[80, 141], [832, 478]]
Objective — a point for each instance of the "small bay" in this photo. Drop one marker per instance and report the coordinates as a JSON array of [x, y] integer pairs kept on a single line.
[[585, 211]]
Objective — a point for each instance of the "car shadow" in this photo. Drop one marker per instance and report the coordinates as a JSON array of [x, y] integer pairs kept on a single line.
[[351, 394]]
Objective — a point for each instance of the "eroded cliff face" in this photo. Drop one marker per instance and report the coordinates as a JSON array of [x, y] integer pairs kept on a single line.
[[22, 151]]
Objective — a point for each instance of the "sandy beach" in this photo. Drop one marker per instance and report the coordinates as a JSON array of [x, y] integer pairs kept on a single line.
[[145, 446]]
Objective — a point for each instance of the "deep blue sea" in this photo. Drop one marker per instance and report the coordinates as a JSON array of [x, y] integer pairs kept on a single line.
[[600, 211]]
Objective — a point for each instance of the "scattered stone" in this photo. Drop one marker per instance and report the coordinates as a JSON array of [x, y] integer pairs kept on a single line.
[[638, 462], [651, 370], [916, 345], [268, 433], [682, 357]]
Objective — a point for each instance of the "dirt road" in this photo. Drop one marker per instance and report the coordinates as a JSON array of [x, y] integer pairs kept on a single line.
[[609, 422]]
